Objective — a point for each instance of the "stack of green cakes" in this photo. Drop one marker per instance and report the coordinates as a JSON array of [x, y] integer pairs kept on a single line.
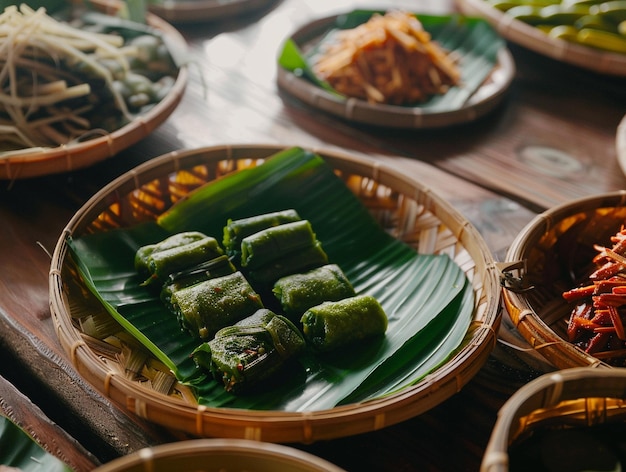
[[264, 298]]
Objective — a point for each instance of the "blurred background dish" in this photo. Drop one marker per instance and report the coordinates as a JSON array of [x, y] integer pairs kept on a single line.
[[100, 143], [486, 66], [533, 38], [220, 455], [572, 419], [197, 11]]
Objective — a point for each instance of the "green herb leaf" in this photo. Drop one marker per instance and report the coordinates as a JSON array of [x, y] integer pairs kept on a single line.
[[19, 450]]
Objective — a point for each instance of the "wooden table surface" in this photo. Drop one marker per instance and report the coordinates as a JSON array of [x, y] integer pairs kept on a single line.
[[485, 169]]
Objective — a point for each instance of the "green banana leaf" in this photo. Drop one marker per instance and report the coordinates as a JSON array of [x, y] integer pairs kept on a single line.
[[19, 450], [472, 39], [428, 299]]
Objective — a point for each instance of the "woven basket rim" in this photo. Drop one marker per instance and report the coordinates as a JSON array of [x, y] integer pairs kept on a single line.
[[483, 100], [194, 11], [65, 158], [540, 336], [232, 450], [516, 31], [283, 426], [544, 393]]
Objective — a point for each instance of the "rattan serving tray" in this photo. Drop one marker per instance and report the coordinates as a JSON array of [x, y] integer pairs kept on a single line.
[[220, 455], [603, 62], [581, 396], [44, 161], [534, 285], [481, 102], [195, 11], [403, 205]]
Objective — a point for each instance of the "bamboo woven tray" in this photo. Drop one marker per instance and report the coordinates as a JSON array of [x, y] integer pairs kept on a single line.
[[540, 313], [219, 455], [484, 99], [399, 202], [580, 396], [66, 158], [603, 62], [195, 11]]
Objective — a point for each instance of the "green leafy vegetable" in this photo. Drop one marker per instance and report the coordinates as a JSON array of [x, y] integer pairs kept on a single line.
[[427, 298]]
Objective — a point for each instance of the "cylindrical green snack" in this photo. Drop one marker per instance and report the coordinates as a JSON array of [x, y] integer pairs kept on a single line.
[[163, 263], [299, 292], [299, 260], [269, 244], [142, 256], [174, 254], [331, 325], [252, 350], [236, 230], [206, 307], [218, 267]]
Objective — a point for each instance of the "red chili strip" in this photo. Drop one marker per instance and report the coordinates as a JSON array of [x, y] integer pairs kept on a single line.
[[617, 322], [603, 286], [598, 342], [619, 290], [604, 329], [609, 269], [609, 299], [579, 292]]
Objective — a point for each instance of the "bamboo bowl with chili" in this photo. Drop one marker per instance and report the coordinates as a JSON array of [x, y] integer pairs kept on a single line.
[[552, 257]]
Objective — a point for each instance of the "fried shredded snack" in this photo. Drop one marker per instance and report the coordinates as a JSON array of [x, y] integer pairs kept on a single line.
[[597, 320], [389, 59]]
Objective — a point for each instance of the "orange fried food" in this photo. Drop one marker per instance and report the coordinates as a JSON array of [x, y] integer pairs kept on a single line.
[[389, 59]]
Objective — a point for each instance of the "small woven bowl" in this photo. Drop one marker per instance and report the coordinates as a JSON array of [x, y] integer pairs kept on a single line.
[[541, 261], [525, 35], [402, 205], [219, 455], [577, 397], [38, 162]]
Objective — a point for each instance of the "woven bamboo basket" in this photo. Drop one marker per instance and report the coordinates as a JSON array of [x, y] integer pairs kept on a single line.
[[535, 280], [196, 11], [37, 162], [518, 32], [218, 455], [400, 203], [483, 101], [580, 397]]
